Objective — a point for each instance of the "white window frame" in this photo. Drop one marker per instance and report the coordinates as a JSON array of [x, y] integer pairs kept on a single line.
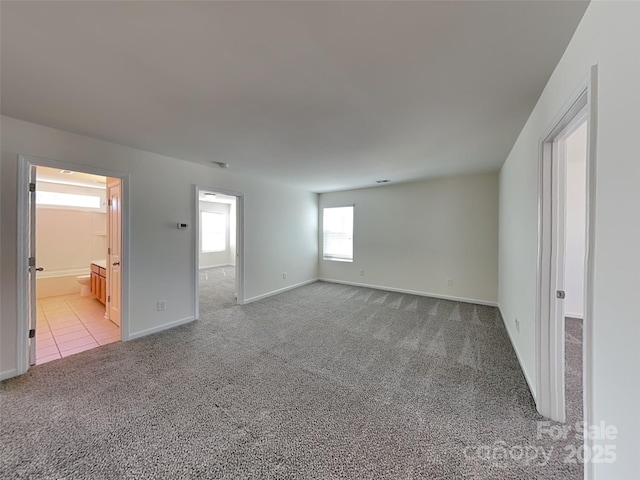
[[349, 232]]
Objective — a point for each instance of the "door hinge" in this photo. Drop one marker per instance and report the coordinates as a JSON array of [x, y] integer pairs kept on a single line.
[[109, 202], [108, 298], [560, 294], [32, 333], [109, 251], [32, 187], [32, 261]]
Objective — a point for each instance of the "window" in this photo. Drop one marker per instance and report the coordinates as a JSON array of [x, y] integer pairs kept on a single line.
[[67, 199], [214, 232], [337, 232]]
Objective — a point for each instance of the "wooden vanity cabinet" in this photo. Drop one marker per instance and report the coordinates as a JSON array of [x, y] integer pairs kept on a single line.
[[99, 283]]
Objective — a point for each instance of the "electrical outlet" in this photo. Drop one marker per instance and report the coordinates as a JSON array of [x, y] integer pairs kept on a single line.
[[161, 305], [518, 325], [362, 273], [449, 282], [284, 275]]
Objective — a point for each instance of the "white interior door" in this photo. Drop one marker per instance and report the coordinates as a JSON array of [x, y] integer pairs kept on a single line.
[[33, 269], [114, 272]]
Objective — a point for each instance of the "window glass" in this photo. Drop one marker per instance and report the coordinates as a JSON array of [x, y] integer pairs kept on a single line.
[[337, 230], [67, 199], [214, 235]]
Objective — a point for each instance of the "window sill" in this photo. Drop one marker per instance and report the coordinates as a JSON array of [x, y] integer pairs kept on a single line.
[[333, 259]]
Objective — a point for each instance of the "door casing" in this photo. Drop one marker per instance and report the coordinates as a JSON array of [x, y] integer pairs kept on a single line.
[[549, 333]]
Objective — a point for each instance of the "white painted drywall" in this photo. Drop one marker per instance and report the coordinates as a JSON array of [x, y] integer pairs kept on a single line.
[[413, 236], [66, 245], [69, 238], [280, 224], [608, 36], [575, 196], [212, 259]]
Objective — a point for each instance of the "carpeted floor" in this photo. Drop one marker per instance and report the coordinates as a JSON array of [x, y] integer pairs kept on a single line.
[[217, 288], [325, 381], [573, 369]]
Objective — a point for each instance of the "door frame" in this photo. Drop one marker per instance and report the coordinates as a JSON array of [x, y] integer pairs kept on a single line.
[[550, 381], [24, 163], [239, 242]]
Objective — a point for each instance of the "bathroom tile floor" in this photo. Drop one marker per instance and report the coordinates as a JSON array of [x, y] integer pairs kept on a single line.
[[71, 324]]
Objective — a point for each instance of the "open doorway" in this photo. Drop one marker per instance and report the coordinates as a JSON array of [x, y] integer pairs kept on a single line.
[[74, 232], [218, 250], [70, 248], [574, 151], [565, 263]]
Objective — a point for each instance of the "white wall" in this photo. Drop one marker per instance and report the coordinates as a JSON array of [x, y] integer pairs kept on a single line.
[[576, 177], [69, 238], [413, 236], [212, 259], [65, 245], [280, 226], [609, 36]]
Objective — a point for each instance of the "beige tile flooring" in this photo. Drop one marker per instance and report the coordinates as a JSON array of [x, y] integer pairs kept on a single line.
[[71, 324]]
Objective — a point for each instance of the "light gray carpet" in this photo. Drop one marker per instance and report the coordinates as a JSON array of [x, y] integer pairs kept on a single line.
[[573, 369], [217, 288], [325, 381]]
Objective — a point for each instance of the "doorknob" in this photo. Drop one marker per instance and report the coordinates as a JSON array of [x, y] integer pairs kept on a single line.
[[40, 269], [115, 264]]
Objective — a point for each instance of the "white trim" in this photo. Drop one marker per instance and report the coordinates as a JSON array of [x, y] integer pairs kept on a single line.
[[161, 328], [413, 292], [22, 265], [8, 374], [544, 356], [216, 266], [549, 318], [589, 266], [280, 290], [239, 265], [573, 315], [513, 345]]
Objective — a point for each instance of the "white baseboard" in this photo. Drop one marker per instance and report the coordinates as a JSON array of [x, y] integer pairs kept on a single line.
[[281, 290], [412, 292], [160, 328], [574, 315], [8, 374], [515, 349]]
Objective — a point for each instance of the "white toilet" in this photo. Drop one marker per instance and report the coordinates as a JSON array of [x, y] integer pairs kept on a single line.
[[85, 288]]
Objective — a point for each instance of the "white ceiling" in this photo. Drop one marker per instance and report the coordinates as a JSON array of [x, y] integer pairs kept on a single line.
[[216, 198], [55, 175], [322, 95]]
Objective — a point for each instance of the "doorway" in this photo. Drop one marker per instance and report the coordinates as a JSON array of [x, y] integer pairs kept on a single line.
[[565, 263], [574, 150], [75, 228], [70, 238], [218, 247]]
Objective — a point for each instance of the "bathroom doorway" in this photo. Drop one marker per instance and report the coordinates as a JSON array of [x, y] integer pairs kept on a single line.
[[218, 250], [74, 236], [70, 234]]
